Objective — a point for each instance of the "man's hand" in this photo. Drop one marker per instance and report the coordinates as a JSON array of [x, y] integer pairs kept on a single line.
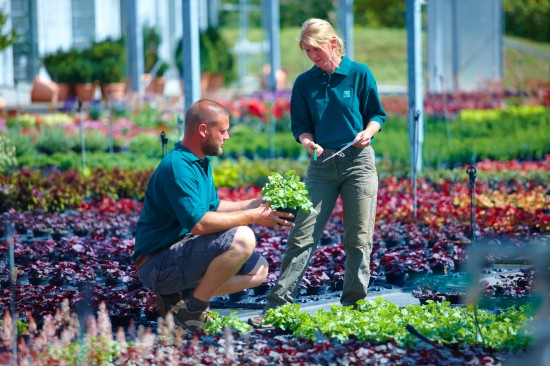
[[271, 218]]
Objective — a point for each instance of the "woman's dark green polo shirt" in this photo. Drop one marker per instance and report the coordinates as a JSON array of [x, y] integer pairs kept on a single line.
[[335, 108], [180, 191]]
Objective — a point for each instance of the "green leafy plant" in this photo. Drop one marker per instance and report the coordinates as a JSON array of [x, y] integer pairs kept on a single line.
[[215, 54], [287, 192], [163, 67], [7, 154], [54, 139], [382, 320], [219, 323], [110, 56], [151, 42]]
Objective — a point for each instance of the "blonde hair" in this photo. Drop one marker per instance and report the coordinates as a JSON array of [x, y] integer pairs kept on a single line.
[[317, 32]]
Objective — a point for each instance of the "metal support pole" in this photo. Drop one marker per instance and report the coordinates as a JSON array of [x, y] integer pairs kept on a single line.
[[273, 28], [275, 62], [414, 163], [345, 13], [191, 52], [415, 90], [135, 48]]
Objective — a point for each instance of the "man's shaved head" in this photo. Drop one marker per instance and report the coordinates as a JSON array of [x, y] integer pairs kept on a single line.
[[203, 111]]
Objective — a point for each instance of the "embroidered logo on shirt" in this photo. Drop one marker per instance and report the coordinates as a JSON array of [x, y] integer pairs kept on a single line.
[[347, 93]]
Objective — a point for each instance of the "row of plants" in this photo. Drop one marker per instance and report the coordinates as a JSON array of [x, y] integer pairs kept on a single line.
[[103, 61], [45, 189], [512, 210], [436, 242], [471, 138], [383, 330]]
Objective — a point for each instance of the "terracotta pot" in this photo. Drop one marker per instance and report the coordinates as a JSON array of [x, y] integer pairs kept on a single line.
[[215, 82], [43, 90], [156, 86], [113, 91], [205, 79], [65, 91], [85, 91]]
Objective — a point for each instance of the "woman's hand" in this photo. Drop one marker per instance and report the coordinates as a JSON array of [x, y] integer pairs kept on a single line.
[[314, 149], [306, 139], [364, 137]]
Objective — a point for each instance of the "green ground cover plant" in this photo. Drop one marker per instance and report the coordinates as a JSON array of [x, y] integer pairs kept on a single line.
[[382, 320]]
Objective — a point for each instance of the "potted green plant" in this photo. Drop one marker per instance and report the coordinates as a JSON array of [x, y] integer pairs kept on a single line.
[[81, 72], [59, 68], [151, 43], [157, 81], [110, 56], [287, 193], [216, 59]]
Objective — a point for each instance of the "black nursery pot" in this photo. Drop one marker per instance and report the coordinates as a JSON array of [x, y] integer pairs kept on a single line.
[[317, 290], [289, 210], [262, 289], [239, 296], [397, 279]]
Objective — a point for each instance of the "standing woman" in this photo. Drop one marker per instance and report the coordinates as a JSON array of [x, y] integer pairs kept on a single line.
[[333, 103]]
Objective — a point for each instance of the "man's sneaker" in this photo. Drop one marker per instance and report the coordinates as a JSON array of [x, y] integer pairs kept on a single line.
[[258, 322], [165, 302], [192, 321]]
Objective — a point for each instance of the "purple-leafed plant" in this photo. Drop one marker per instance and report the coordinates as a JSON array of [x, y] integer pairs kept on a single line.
[[440, 260], [64, 272], [315, 278], [40, 269], [512, 285], [426, 293], [84, 274], [416, 262], [112, 270], [394, 263]]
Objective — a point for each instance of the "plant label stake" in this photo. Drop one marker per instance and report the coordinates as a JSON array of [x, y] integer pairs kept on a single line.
[[163, 141]]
